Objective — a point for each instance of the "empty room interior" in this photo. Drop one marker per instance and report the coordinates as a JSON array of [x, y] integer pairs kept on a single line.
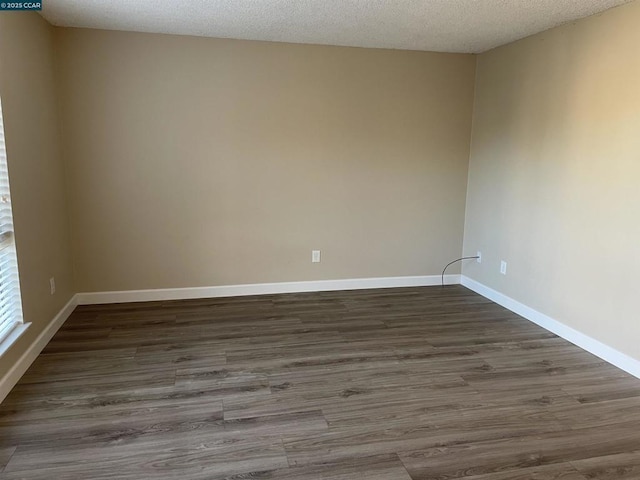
[[320, 240]]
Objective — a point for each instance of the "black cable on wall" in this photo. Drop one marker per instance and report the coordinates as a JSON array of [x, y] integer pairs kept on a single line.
[[451, 263]]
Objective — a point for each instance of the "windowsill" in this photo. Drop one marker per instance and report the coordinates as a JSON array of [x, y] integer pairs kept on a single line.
[[15, 334]]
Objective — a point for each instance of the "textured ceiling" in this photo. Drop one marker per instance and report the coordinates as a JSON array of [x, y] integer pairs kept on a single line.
[[469, 26]]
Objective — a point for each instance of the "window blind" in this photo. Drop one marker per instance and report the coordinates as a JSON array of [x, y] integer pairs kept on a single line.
[[10, 302]]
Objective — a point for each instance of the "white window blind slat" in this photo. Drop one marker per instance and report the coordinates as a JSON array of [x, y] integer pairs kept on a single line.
[[6, 330], [10, 302]]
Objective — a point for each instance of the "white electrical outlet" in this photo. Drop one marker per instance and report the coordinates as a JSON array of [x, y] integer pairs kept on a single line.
[[52, 285], [479, 255], [315, 256], [503, 267]]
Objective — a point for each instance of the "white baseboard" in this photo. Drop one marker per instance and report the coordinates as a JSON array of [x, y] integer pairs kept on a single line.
[[93, 298], [583, 341], [605, 352], [24, 362]]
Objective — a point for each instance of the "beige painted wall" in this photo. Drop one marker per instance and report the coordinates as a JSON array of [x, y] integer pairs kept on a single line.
[[196, 162], [554, 170], [35, 171]]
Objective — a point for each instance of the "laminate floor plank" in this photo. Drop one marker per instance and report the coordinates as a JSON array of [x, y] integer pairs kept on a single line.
[[5, 455], [113, 427], [177, 456], [623, 466], [388, 384], [460, 459], [610, 388], [563, 471], [606, 413]]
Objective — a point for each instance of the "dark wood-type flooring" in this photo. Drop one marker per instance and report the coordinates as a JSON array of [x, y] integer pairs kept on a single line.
[[397, 384]]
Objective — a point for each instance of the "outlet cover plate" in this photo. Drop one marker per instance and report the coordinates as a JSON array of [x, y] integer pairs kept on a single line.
[[503, 267]]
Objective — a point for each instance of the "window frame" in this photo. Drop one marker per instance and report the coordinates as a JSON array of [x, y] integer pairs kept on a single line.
[[13, 326]]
